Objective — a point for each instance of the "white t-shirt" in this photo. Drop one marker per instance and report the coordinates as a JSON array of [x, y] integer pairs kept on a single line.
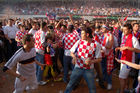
[[25, 68], [10, 31], [42, 39]]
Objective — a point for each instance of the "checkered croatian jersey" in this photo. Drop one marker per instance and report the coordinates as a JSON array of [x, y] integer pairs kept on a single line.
[[84, 50], [59, 36], [76, 33], [116, 32], [97, 38], [38, 44], [69, 39], [19, 36]]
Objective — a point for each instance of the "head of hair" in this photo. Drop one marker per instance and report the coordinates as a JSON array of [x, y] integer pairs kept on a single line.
[[129, 26], [22, 26], [135, 24], [27, 37], [97, 27], [64, 26], [34, 23], [111, 29], [77, 24], [71, 28], [43, 24], [50, 27], [89, 31], [10, 19], [86, 21]]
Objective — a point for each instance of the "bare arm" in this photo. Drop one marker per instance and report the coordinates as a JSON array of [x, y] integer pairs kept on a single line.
[[18, 40], [13, 73], [128, 48], [41, 65], [57, 25], [74, 58], [111, 42], [133, 65], [91, 61], [71, 19], [132, 49]]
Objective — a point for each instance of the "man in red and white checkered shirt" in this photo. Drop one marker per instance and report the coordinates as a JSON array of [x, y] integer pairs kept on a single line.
[[69, 39], [85, 53], [39, 41], [20, 35]]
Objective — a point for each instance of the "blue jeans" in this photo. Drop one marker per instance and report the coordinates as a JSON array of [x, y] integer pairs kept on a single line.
[[39, 72], [67, 63], [77, 73], [106, 76]]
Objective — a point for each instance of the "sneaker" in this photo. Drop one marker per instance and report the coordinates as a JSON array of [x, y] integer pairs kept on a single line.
[[101, 84], [57, 80], [27, 88], [41, 83], [130, 91], [109, 86]]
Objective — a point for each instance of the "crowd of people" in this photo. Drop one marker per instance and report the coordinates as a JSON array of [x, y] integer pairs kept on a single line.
[[81, 46], [78, 8]]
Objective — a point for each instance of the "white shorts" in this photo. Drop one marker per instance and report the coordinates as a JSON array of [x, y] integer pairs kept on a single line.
[[124, 71], [20, 86]]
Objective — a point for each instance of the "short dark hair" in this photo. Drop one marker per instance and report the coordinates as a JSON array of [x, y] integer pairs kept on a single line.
[[89, 31], [97, 27], [34, 23], [43, 24], [10, 19], [135, 24], [129, 26], [23, 26], [71, 28], [87, 21], [27, 37], [50, 27], [64, 26]]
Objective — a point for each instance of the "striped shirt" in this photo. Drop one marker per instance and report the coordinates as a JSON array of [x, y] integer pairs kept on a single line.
[[25, 62]]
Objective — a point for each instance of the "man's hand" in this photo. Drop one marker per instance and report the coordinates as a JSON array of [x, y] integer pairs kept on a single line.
[[123, 48], [119, 61], [42, 66], [117, 48], [88, 61]]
